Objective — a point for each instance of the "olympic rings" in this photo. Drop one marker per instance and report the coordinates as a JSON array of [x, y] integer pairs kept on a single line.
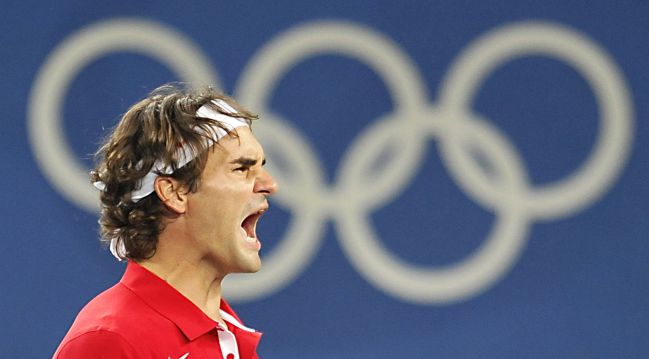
[[349, 201]]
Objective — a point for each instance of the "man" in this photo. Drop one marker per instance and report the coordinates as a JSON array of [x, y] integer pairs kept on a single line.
[[182, 188]]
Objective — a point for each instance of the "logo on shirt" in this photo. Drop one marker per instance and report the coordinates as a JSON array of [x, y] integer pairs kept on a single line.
[[182, 357]]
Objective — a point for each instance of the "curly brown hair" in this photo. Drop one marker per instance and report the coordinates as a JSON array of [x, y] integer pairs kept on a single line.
[[152, 130]]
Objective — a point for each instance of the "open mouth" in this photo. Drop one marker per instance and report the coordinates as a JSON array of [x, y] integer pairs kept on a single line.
[[249, 226]]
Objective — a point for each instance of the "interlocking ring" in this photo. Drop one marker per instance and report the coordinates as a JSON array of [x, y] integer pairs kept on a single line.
[[349, 201]]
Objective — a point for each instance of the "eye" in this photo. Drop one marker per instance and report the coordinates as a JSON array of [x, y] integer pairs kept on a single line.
[[242, 169]]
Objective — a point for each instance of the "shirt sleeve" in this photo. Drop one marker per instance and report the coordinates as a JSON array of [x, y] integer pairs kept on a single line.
[[99, 344]]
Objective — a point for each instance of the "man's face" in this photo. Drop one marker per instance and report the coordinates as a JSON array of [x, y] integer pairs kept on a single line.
[[222, 214]]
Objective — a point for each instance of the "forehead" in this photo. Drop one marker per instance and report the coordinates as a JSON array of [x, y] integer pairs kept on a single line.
[[244, 145]]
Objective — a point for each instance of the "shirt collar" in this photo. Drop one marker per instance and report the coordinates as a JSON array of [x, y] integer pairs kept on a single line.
[[168, 302]]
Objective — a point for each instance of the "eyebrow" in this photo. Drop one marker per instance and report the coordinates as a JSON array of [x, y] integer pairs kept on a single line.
[[247, 161]]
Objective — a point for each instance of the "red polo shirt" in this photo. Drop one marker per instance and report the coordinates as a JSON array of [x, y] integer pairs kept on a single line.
[[144, 317]]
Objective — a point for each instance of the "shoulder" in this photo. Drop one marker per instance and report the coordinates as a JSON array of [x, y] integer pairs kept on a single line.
[[110, 310], [117, 307], [96, 344], [98, 329], [117, 319], [110, 317]]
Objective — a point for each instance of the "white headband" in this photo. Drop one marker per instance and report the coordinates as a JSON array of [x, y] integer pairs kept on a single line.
[[185, 154]]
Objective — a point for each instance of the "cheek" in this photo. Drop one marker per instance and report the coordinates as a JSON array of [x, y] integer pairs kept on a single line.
[[224, 200], [236, 191], [225, 204]]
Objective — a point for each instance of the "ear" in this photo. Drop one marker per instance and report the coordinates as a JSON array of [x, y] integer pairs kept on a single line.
[[171, 193]]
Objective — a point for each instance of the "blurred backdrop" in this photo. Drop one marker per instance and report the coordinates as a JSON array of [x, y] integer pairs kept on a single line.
[[458, 179]]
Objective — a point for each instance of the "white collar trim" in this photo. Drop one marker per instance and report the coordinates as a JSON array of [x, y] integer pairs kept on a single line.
[[232, 320]]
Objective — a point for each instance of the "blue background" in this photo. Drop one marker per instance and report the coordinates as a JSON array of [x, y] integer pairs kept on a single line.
[[578, 289]]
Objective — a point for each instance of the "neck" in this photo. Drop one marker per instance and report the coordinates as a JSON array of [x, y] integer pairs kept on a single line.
[[197, 283]]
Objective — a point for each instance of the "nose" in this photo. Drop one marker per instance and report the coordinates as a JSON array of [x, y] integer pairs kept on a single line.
[[266, 184]]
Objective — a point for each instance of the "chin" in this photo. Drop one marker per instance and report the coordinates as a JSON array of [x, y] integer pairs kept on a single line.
[[255, 268], [251, 267]]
